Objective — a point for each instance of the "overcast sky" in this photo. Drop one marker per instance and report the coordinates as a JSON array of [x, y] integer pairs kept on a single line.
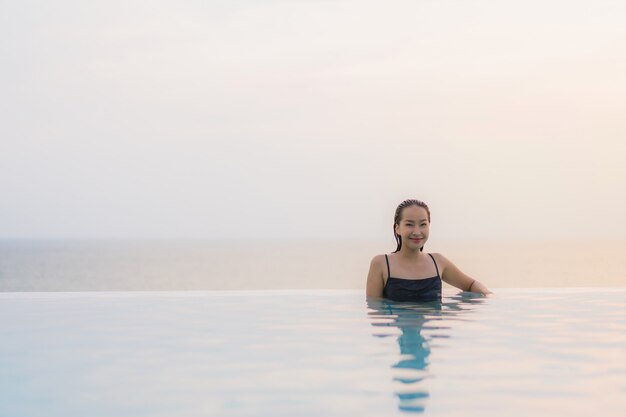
[[292, 119]]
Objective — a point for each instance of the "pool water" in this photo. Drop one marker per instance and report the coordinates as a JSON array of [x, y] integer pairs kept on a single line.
[[544, 352]]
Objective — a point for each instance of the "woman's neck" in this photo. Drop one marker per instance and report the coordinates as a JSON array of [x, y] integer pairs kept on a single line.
[[410, 254]]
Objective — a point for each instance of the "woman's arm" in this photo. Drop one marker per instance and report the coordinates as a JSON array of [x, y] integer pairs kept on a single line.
[[455, 277], [375, 278]]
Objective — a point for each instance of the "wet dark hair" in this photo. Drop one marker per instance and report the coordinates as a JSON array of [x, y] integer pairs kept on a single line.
[[398, 217]]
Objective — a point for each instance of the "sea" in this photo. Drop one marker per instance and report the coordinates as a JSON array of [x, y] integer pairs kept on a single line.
[[166, 328], [153, 265]]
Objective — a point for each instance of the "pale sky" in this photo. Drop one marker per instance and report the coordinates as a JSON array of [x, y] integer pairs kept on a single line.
[[312, 119]]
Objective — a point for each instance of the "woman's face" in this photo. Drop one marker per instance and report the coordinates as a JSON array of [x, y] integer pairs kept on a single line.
[[413, 227]]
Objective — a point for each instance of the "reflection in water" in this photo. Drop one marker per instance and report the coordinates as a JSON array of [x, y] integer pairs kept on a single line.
[[411, 370]]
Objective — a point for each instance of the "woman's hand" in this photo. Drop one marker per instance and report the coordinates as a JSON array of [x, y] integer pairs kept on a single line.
[[479, 287]]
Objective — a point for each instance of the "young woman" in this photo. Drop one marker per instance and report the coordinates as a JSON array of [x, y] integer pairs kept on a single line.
[[409, 274]]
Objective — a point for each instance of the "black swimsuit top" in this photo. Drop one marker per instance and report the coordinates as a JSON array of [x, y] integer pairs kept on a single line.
[[400, 289]]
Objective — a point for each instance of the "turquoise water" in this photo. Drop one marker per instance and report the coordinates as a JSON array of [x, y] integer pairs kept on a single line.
[[545, 352]]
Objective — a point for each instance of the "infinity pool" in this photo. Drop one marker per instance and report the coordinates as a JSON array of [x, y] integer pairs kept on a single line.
[[548, 352]]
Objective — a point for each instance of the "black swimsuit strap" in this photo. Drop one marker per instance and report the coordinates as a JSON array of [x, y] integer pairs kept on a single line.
[[431, 257], [388, 271]]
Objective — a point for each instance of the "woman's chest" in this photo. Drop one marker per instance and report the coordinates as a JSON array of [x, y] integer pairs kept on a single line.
[[412, 270]]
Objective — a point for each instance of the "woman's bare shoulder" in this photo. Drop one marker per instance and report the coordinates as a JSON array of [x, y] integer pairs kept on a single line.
[[378, 260], [376, 277], [441, 260]]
